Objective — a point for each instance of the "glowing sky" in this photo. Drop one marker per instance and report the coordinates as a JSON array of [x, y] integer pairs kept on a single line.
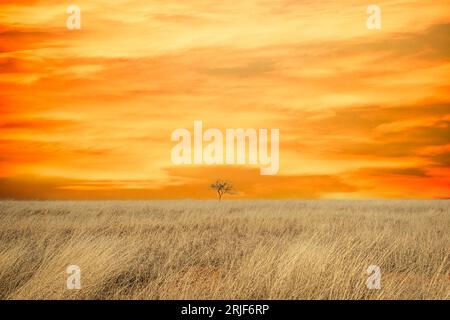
[[89, 113]]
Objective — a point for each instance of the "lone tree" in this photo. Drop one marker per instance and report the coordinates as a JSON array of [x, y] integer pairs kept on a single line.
[[222, 187]]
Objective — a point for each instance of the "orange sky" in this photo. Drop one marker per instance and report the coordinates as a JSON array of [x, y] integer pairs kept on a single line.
[[89, 113]]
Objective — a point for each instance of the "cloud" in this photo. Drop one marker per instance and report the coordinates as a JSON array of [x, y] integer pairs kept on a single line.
[[360, 113], [183, 183], [254, 68], [36, 124], [415, 172]]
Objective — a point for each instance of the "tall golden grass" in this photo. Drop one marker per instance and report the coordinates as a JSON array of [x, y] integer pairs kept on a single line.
[[226, 250]]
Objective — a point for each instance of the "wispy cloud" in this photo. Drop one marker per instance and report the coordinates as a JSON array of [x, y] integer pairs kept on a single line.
[[361, 113]]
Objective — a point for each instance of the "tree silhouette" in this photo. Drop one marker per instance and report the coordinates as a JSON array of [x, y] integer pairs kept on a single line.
[[222, 187]]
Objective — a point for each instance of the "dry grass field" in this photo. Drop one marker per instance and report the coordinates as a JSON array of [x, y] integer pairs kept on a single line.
[[227, 250]]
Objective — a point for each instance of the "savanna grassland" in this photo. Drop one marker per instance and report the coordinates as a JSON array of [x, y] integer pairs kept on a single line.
[[227, 250]]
